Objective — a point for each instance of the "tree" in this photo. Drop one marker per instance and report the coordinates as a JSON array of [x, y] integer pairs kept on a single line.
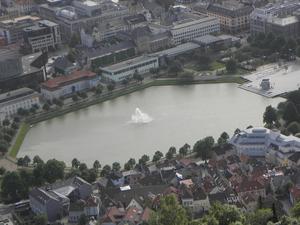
[[96, 165], [105, 170], [270, 115], [116, 166], [225, 136], [83, 220], [290, 113], [37, 160], [6, 122], [175, 68], [296, 210], [170, 212], [203, 147], [46, 107], [237, 131], [12, 187], [75, 98], [54, 170], [293, 127], [75, 40], [143, 160], [130, 164], [157, 156], [226, 214], [82, 167], [75, 163], [40, 219], [183, 151], [26, 160], [231, 66], [2, 170], [39, 174], [137, 77], [274, 214], [260, 217], [111, 86], [171, 153]]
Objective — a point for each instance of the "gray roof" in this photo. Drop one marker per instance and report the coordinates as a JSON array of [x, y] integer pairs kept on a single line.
[[230, 10], [62, 63], [101, 51], [15, 94], [207, 39]]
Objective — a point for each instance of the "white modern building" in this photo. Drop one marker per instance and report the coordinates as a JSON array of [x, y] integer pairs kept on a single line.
[[10, 102], [126, 69], [42, 36], [64, 86], [265, 142], [192, 27]]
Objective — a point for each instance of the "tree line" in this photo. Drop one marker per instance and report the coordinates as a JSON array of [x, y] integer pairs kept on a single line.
[[171, 212], [286, 116]]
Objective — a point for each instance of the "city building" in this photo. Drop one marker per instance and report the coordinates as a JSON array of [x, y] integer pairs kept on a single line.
[[82, 15], [67, 85], [126, 69], [265, 142], [263, 19], [42, 36], [191, 26], [107, 55], [234, 17], [12, 29], [12, 101], [286, 26], [147, 39], [54, 200], [18, 71]]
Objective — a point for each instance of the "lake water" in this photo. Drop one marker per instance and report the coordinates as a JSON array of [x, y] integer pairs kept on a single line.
[[180, 114]]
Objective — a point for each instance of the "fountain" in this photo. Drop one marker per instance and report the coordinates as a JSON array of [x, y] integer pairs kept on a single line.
[[140, 117]]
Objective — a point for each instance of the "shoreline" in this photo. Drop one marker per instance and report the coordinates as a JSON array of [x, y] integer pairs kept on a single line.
[[26, 124]]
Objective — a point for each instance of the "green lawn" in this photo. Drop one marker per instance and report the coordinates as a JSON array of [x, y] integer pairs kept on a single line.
[[216, 65], [14, 149]]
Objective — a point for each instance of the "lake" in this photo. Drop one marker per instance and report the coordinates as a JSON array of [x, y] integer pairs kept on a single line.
[[177, 115]]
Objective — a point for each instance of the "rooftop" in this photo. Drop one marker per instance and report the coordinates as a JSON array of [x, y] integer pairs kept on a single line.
[[15, 94], [63, 80], [129, 62], [283, 21]]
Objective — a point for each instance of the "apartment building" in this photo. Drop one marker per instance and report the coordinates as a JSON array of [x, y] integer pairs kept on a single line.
[[274, 18], [82, 15], [126, 69], [192, 26], [11, 101], [54, 200], [42, 36], [234, 17], [12, 29], [264, 142], [69, 84]]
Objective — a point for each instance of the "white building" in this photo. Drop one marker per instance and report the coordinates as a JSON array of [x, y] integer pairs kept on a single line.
[[67, 85], [126, 69], [265, 142], [10, 102], [43, 35], [193, 27]]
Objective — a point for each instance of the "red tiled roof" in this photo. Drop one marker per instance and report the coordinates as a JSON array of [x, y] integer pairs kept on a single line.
[[113, 214], [146, 214], [133, 214], [248, 185], [185, 162], [295, 192], [63, 80]]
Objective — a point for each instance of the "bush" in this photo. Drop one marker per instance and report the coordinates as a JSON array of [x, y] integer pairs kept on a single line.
[[293, 127]]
